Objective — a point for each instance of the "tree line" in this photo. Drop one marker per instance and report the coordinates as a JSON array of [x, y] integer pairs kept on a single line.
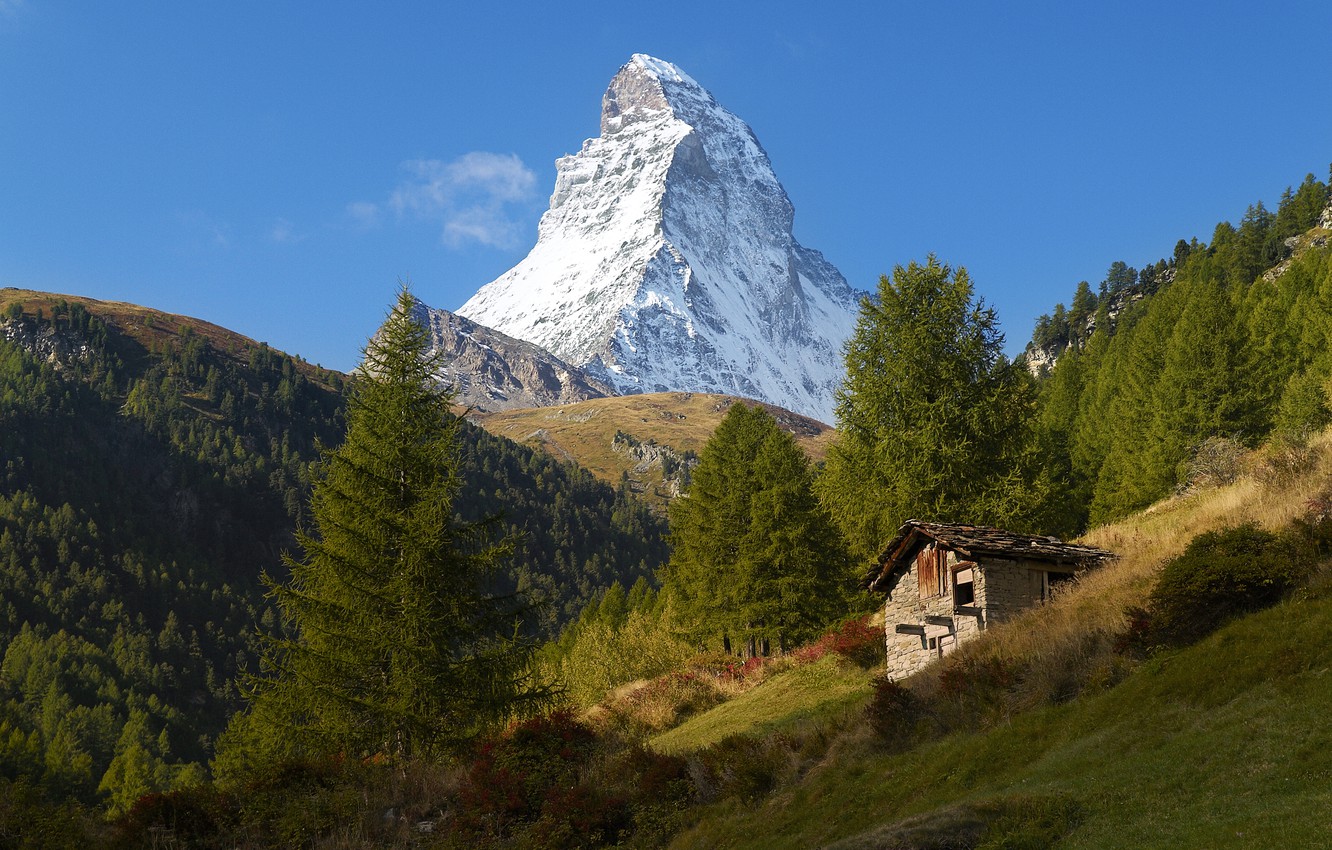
[[1221, 352]]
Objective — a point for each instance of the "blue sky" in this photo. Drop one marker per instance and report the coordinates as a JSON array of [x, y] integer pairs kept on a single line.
[[276, 167]]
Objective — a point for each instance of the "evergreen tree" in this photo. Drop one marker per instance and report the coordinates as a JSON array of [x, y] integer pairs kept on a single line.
[[934, 422], [756, 557], [1084, 307], [396, 648], [1057, 415], [1120, 276]]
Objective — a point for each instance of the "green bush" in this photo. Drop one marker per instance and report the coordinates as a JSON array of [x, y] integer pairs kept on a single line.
[[1221, 575], [744, 768], [895, 713]]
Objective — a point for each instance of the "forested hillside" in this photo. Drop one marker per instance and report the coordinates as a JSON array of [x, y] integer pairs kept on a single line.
[[151, 468], [1220, 347]]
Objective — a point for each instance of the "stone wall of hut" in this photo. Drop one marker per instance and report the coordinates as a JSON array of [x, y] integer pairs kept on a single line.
[[1002, 588]]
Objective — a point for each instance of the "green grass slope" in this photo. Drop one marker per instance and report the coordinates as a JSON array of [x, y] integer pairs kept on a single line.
[[823, 691], [1224, 744]]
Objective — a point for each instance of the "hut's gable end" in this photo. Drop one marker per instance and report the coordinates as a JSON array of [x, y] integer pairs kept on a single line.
[[923, 617]]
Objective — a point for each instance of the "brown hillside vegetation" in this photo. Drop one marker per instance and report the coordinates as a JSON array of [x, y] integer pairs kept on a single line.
[[1281, 482], [153, 329], [656, 432]]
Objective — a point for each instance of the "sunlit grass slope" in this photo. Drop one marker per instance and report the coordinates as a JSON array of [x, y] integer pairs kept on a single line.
[[584, 432], [804, 694], [1223, 744]]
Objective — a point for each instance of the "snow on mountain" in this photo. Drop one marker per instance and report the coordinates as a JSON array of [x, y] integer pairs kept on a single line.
[[666, 260]]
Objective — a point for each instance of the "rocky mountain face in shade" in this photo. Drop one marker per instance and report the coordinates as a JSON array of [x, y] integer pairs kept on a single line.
[[490, 371]]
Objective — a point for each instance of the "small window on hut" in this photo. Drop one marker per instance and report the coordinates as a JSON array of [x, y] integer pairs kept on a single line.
[[964, 587]]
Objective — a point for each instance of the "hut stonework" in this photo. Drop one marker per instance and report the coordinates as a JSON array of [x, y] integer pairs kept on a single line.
[[945, 583]]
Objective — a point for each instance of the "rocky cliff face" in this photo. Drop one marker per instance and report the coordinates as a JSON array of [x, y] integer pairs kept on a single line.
[[1040, 359], [667, 262], [1317, 237], [490, 371], [57, 349]]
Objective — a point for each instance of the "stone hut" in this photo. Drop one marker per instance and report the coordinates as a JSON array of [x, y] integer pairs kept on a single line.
[[945, 583]]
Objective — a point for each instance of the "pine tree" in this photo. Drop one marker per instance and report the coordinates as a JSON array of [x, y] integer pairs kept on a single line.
[[756, 558], [1084, 307], [1120, 276], [934, 422], [397, 648]]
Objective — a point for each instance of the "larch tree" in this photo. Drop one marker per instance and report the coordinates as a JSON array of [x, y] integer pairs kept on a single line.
[[934, 422], [756, 559], [393, 645]]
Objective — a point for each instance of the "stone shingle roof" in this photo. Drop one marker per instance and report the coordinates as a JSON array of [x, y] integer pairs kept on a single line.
[[976, 541]]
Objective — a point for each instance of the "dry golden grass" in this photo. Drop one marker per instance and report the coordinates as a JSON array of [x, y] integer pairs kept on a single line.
[[584, 432], [1268, 494]]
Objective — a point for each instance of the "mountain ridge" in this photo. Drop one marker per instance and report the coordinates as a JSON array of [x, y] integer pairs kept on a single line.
[[667, 262]]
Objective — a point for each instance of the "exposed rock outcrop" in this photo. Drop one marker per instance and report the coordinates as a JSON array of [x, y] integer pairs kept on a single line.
[[57, 348], [490, 371]]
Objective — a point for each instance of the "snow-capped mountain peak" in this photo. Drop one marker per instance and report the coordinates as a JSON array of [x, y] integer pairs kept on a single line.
[[666, 260]]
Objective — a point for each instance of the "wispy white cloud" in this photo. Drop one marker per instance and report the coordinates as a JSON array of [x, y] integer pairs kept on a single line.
[[474, 198], [480, 224], [9, 8], [284, 233]]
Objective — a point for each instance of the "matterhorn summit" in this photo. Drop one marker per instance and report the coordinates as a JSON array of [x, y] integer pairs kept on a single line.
[[666, 260]]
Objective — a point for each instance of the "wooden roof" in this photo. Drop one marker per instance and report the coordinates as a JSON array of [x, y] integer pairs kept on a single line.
[[973, 542]]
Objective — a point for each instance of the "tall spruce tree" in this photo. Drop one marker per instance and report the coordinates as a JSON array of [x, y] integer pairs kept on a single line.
[[756, 560], [933, 421], [395, 646]]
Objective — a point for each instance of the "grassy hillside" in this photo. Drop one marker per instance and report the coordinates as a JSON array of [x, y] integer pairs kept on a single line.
[[1222, 744], [823, 691], [648, 438]]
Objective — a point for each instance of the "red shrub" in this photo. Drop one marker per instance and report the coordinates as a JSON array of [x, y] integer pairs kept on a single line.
[[580, 816], [193, 814], [511, 776], [854, 640], [655, 777]]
